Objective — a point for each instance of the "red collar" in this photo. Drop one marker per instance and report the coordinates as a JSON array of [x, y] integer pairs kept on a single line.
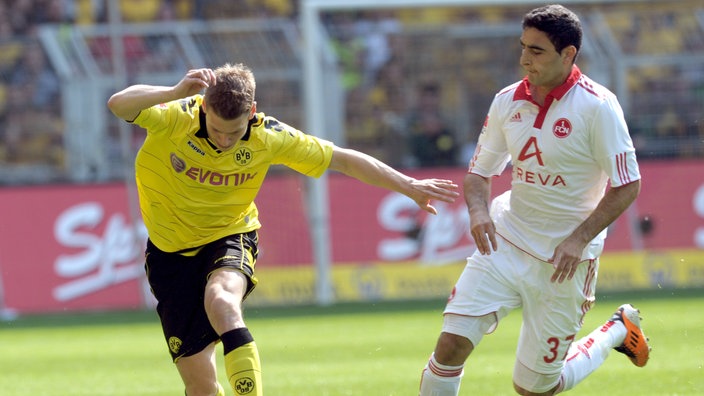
[[523, 93], [523, 90]]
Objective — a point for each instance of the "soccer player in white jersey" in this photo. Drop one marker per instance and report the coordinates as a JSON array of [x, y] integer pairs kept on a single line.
[[198, 172], [538, 244]]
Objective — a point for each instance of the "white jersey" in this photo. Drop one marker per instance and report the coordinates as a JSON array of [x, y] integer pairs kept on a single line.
[[563, 155]]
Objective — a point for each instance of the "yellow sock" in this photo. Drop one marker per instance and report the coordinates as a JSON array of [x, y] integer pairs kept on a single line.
[[244, 370]]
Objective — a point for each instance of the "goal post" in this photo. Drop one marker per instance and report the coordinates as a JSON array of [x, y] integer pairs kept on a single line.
[[314, 49]]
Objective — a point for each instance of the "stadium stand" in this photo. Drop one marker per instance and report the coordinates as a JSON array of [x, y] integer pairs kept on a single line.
[[650, 52]]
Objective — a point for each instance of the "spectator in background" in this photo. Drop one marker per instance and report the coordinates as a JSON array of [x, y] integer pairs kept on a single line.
[[274, 8], [348, 48], [373, 29], [140, 10], [11, 46], [55, 11], [32, 129], [431, 142], [34, 81]]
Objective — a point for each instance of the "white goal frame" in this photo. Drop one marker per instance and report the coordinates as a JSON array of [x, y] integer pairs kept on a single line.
[[313, 43]]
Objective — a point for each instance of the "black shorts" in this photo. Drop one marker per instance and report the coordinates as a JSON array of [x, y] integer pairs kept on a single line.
[[178, 283]]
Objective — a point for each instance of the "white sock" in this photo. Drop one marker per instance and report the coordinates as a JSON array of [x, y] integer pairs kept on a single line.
[[587, 354], [440, 380]]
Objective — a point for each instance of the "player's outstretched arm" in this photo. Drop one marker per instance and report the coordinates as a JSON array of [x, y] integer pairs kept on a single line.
[[374, 172], [127, 103]]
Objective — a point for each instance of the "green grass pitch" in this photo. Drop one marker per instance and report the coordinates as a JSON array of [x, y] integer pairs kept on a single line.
[[352, 349]]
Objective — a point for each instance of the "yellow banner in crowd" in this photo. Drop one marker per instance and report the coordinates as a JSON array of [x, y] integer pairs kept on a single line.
[[351, 282], [410, 280], [651, 270]]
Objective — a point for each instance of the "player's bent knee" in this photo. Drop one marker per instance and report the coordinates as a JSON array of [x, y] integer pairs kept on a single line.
[[528, 382], [460, 334], [472, 328]]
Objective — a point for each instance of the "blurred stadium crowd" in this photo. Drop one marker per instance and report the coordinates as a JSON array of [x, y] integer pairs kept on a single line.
[[389, 65]]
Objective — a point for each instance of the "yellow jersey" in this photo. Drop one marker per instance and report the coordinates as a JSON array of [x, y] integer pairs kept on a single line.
[[191, 193]]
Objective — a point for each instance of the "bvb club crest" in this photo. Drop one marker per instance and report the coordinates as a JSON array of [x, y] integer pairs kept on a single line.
[[175, 344], [244, 385], [243, 156]]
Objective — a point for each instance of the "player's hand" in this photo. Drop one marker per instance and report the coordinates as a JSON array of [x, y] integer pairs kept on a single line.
[[483, 232], [194, 81], [566, 259], [428, 189]]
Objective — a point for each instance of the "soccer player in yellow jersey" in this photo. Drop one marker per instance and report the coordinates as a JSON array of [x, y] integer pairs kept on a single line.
[[198, 172]]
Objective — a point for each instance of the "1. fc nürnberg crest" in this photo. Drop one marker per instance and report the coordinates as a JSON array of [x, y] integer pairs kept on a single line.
[[562, 128]]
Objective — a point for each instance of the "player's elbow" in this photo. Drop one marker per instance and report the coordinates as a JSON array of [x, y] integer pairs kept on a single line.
[[633, 188], [627, 193], [116, 104]]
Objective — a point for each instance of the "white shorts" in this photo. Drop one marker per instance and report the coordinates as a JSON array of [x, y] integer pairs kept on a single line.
[[493, 285]]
